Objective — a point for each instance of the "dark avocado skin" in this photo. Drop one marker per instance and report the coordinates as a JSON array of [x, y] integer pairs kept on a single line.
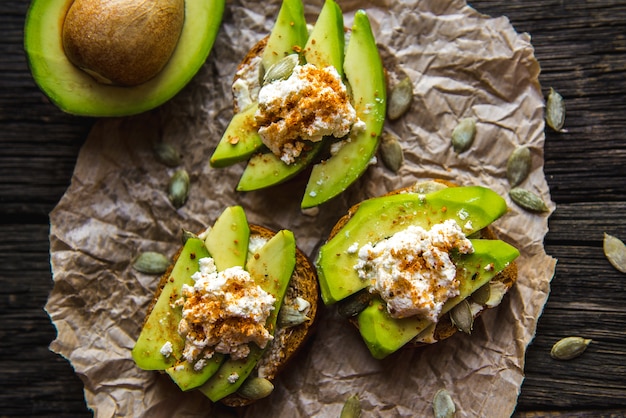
[[76, 92]]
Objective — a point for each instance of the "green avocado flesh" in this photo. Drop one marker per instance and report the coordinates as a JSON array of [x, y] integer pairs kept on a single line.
[[326, 42], [360, 63], [379, 218], [384, 334], [288, 35], [187, 378], [75, 92], [227, 241], [364, 71], [271, 268], [266, 169], [162, 324], [227, 244], [472, 207], [324, 47], [240, 140]]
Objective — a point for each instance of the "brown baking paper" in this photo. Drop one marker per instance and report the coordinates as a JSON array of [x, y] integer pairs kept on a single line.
[[462, 64]]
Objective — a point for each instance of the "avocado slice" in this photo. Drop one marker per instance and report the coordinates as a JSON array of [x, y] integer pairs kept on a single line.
[[326, 42], [472, 207], [76, 92], [240, 140], [227, 241], [271, 267], [187, 378], [266, 169], [161, 325], [364, 70], [384, 334], [325, 46], [288, 35]]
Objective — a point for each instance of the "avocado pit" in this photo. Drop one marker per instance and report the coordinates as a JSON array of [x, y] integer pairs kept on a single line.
[[122, 42]]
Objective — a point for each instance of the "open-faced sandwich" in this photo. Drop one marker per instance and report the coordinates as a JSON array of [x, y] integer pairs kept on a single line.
[[235, 307], [307, 98], [413, 266]]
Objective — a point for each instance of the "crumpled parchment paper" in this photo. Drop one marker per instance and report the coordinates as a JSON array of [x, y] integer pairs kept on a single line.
[[462, 64]]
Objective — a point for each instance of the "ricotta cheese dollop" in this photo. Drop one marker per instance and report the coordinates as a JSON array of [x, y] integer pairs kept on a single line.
[[223, 312], [412, 270], [311, 103]]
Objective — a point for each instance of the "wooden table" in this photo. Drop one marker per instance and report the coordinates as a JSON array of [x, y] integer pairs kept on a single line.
[[581, 46]]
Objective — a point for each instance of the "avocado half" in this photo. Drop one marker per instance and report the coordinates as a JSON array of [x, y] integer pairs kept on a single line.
[[76, 92]]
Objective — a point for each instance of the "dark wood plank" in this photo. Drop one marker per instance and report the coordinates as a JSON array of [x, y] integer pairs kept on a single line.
[[34, 381], [582, 50]]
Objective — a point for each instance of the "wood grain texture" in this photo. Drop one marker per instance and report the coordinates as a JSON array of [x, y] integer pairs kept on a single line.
[[581, 46]]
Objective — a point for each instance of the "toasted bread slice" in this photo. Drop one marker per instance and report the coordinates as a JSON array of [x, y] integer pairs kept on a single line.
[[287, 339], [444, 327]]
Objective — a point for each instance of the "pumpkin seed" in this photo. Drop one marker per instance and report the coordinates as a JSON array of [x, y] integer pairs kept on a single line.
[[312, 212], [400, 99], [427, 335], [497, 290], [354, 304], [518, 165], [186, 235], [428, 186], [351, 408], [555, 110], [255, 388], [463, 135], [288, 316], [443, 405], [178, 188], [615, 252], [282, 69], [482, 294], [151, 262], [527, 200], [462, 318], [569, 347], [166, 154], [391, 151]]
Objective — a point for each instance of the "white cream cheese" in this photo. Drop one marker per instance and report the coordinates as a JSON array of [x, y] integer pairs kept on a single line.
[[246, 86], [223, 312], [412, 270], [166, 350], [310, 104]]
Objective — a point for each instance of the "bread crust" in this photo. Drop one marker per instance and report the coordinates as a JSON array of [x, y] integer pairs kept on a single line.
[[280, 351], [444, 328]]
